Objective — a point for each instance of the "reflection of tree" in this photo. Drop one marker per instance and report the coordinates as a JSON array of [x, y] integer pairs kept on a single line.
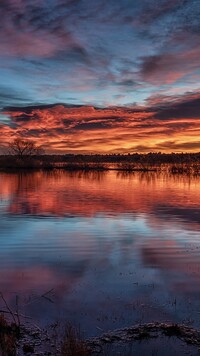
[[23, 186], [27, 182], [125, 174], [90, 175], [147, 177], [81, 193]]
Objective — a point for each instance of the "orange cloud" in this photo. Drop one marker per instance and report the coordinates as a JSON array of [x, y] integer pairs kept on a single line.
[[63, 129]]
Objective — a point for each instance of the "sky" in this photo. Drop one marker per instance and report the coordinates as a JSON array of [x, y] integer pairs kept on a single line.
[[101, 76]]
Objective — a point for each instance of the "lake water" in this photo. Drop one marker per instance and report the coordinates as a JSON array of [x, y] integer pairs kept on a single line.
[[101, 250]]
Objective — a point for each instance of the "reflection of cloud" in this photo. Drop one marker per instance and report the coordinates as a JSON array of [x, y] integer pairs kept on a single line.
[[185, 213], [101, 193], [92, 263], [178, 262], [31, 282]]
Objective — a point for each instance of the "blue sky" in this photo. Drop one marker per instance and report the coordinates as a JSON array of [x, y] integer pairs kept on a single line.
[[98, 53]]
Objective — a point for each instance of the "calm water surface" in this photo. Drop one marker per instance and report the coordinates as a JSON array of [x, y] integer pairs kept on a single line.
[[103, 250]]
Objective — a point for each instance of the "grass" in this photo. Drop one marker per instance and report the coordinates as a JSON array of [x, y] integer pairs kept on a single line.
[[72, 344], [9, 333]]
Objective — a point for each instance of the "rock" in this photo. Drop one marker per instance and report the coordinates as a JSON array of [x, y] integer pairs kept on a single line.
[[106, 339]]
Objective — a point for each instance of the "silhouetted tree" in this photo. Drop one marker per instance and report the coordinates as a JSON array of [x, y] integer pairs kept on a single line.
[[24, 148]]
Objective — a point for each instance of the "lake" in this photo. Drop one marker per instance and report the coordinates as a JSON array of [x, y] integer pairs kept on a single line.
[[102, 250]]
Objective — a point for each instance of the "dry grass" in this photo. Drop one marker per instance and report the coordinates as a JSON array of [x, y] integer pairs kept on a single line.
[[8, 337], [72, 344]]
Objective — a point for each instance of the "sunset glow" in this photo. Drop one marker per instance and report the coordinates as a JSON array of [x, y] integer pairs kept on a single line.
[[99, 177], [100, 77]]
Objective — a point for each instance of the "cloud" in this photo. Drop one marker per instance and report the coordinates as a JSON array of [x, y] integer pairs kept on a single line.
[[181, 107], [10, 96], [78, 126], [99, 53], [180, 146], [60, 49], [32, 31], [168, 68], [171, 16], [123, 129]]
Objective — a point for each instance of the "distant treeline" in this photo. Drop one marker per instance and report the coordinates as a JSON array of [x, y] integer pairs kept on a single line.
[[178, 162], [153, 158]]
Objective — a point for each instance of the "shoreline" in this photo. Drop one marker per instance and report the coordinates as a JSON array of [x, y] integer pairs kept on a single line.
[[32, 340], [168, 169]]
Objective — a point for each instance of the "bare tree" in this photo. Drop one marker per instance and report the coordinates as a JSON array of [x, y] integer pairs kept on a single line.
[[24, 148]]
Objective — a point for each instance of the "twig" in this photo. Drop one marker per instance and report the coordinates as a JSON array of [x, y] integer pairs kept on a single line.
[[32, 301], [37, 327], [22, 315], [49, 291], [47, 298], [17, 309], [7, 306], [44, 295]]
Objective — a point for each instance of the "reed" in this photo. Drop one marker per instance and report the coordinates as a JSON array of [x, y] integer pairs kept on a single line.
[[73, 344]]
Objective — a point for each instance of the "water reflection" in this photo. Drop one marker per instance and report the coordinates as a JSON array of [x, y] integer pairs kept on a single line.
[[112, 248], [179, 263], [90, 193]]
